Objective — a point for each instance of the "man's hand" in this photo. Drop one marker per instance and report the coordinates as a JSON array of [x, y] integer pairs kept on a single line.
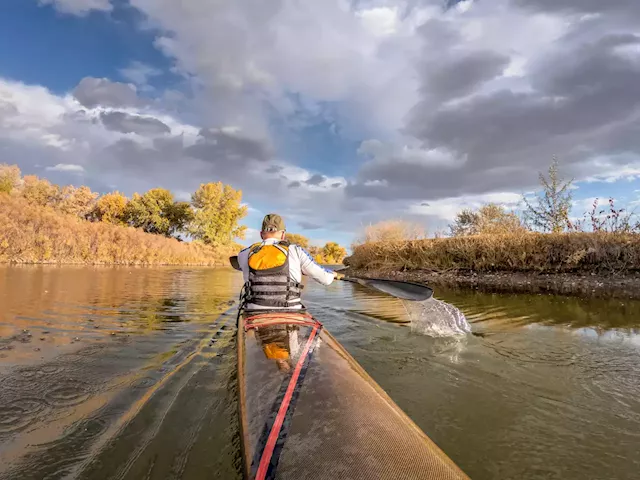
[[338, 275]]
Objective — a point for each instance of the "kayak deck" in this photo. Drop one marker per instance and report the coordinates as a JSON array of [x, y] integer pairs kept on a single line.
[[308, 410]]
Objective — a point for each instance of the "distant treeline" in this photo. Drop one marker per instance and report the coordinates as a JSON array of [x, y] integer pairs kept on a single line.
[[46, 223], [542, 238], [330, 254], [211, 216]]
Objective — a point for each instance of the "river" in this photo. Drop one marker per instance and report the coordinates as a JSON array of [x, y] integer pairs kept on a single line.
[[129, 373]]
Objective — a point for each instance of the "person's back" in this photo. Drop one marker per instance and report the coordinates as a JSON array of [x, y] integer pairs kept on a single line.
[[273, 269]]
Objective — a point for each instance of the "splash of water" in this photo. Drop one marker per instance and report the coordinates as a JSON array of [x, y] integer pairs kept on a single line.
[[436, 318]]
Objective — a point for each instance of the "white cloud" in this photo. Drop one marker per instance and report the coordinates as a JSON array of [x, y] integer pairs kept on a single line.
[[380, 21], [448, 208], [252, 236], [140, 73], [66, 167], [79, 7]]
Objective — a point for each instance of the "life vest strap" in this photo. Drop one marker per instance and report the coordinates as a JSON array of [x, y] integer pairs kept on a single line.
[[292, 283], [268, 293], [274, 303]]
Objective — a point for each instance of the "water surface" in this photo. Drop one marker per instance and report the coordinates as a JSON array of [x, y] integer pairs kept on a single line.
[[130, 373]]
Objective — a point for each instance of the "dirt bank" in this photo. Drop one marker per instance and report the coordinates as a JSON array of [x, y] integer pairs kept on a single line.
[[598, 285]]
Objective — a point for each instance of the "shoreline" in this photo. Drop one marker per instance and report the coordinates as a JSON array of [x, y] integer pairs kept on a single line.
[[624, 285], [220, 264]]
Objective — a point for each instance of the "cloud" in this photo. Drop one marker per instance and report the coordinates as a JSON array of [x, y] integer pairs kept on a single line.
[[455, 76], [140, 73], [92, 92], [126, 123], [309, 225], [448, 208], [628, 8], [274, 169], [315, 179], [79, 7], [448, 103], [491, 114], [221, 145], [66, 167]]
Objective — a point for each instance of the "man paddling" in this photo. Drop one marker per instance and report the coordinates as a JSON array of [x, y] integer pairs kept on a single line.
[[273, 269]]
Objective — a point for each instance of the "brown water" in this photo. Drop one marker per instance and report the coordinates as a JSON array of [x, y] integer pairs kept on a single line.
[[130, 373]]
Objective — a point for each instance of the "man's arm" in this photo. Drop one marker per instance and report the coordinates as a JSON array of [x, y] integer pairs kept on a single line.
[[243, 260], [310, 268]]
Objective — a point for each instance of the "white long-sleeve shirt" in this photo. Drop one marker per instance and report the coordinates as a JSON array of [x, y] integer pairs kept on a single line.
[[300, 263]]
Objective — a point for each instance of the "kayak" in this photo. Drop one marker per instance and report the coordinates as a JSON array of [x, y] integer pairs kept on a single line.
[[308, 410]]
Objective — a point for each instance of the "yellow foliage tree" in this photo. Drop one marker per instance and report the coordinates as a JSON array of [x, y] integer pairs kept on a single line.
[[10, 178], [298, 240], [333, 253], [78, 201], [217, 211], [110, 208], [39, 191], [156, 212]]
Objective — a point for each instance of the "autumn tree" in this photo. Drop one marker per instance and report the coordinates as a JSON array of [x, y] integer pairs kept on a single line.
[[490, 219], [298, 240], [156, 212], [180, 215], [110, 208], [39, 191], [10, 178], [78, 201], [217, 211], [333, 253], [550, 210], [316, 253]]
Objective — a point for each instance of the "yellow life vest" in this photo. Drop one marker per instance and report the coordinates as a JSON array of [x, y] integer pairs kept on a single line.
[[270, 284]]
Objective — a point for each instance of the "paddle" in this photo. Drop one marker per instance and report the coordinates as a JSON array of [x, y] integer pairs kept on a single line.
[[404, 290]]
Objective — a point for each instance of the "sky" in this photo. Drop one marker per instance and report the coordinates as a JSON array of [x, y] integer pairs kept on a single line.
[[334, 113]]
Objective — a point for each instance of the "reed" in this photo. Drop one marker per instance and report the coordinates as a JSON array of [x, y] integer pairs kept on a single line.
[[599, 252]]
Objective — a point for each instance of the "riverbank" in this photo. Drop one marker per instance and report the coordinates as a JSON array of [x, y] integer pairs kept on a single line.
[[32, 234], [595, 264], [592, 285]]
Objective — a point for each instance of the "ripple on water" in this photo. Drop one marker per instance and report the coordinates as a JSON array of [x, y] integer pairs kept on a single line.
[[67, 392], [19, 414], [60, 457], [143, 382]]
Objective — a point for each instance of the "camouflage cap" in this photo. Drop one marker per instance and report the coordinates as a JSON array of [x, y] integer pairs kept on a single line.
[[273, 223]]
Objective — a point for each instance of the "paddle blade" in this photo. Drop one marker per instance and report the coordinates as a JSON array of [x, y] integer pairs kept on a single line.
[[234, 262], [403, 290]]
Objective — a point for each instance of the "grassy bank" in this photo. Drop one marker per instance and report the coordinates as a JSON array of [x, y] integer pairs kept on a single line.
[[34, 234], [523, 252]]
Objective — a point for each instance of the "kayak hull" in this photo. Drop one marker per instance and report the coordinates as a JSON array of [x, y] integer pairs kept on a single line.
[[309, 410]]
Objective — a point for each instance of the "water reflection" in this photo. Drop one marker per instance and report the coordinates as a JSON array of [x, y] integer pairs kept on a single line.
[[88, 355]]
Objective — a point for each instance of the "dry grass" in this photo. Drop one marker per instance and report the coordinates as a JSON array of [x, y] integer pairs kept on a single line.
[[391, 231], [35, 234], [522, 252]]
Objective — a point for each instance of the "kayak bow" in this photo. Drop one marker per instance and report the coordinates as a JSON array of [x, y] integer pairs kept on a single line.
[[309, 410]]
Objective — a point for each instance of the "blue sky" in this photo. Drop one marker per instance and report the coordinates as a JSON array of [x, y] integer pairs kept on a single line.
[[335, 114]]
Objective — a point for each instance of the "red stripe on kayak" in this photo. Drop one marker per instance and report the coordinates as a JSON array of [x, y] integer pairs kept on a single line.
[[277, 315], [284, 322], [282, 411]]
